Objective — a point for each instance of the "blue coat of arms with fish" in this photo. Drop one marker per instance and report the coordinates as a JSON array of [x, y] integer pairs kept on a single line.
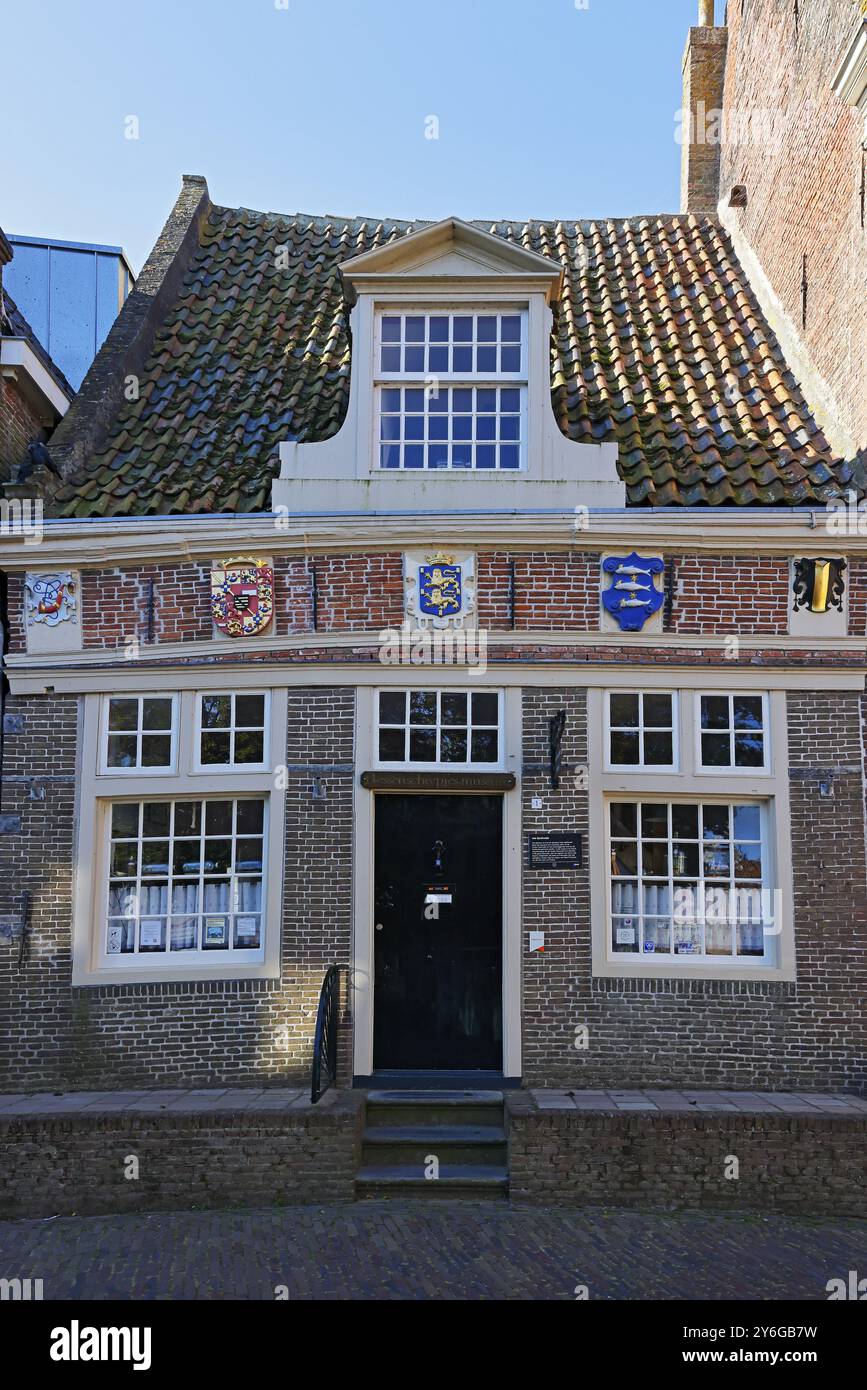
[[632, 595]]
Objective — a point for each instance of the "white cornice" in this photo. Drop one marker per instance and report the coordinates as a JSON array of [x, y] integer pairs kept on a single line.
[[130, 541], [19, 362]]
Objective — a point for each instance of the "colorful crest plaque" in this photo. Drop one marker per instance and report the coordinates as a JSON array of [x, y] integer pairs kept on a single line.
[[51, 598], [440, 588], [632, 595], [242, 597], [818, 585]]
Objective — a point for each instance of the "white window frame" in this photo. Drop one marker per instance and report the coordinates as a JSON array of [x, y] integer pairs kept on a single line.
[[137, 770], [231, 767], [690, 783], [732, 770], [519, 380], [415, 765], [168, 959], [674, 765], [713, 961], [96, 790]]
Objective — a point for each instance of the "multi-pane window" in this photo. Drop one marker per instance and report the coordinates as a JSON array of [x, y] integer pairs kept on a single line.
[[138, 734], [452, 727], [185, 877], [732, 731], [232, 730], [688, 879], [451, 390], [641, 729]]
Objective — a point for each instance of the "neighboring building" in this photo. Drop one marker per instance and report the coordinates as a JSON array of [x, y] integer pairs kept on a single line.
[[71, 292], [787, 165], [34, 393], [315, 460]]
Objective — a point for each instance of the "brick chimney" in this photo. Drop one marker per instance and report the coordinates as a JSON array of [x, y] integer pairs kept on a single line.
[[704, 60]]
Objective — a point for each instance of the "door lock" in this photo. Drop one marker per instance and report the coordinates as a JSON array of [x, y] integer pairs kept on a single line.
[[379, 926]]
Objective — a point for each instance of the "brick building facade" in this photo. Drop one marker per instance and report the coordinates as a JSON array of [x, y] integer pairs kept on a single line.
[[326, 656]]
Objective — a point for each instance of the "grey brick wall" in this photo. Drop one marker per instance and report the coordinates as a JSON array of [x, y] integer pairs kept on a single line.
[[808, 1035], [203, 1034], [812, 1165]]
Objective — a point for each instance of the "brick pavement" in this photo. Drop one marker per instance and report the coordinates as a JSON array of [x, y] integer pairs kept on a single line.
[[399, 1250]]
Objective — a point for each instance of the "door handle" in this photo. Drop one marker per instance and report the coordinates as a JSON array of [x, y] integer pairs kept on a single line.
[[379, 926]]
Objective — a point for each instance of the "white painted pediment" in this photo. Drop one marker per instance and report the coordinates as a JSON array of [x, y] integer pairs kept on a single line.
[[453, 250]]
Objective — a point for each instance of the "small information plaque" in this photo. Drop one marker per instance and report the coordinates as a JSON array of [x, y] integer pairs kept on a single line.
[[555, 849]]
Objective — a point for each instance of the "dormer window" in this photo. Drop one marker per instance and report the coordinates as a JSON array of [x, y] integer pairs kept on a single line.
[[451, 388]]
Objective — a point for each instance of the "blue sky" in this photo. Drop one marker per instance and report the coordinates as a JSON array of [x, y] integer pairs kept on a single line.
[[545, 109]]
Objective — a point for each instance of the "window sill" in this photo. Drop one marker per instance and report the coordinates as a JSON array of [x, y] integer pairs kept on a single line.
[[100, 977], [670, 971]]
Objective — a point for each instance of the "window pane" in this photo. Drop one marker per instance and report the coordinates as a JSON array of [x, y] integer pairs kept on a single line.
[[453, 746], [717, 863], [218, 817], [188, 819], [157, 714], [422, 707], [122, 714], [715, 821], [484, 746], [510, 359], [748, 861], [749, 750], [155, 818], [624, 857], [124, 820], [391, 330], [510, 328], [250, 711], [423, 745], [624, 818], [623, 711], [624, 747], [485, 708], [218, 856], [251, 817], [215, 748], [124, 860], [715, 750], [658, 750], [392, 707], [156, 750], [216, 711], [249, 747], [392, 745], [714, 712], [684, 859], [122, 750], [657, 935], [654, 820], [747, 823], [654, 859], [454, 708], [625, 932], [748, 711], [657, 711], [184, 933], [684, 822]]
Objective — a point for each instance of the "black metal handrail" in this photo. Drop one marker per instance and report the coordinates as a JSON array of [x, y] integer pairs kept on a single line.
[[324, 1072]]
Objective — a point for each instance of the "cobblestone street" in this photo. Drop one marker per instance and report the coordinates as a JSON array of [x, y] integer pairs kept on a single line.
[[435, 1250]]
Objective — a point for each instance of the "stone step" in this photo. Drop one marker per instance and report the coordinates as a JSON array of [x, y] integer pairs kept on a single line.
[[411, 1145], [455, 1181], [434, 1108]]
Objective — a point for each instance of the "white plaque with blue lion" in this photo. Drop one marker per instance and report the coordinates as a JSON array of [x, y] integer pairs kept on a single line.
[[440, 587]]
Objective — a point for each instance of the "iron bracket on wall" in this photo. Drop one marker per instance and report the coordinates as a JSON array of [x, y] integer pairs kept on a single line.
[[556, 725], [512, 594], [314, 596]]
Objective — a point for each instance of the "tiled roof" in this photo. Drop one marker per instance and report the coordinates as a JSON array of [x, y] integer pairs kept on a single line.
[[659, 345]]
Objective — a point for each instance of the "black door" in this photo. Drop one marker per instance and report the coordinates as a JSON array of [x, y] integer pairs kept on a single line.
[[438, 896]]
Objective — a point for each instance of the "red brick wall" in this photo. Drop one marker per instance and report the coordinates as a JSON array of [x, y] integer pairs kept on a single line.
[[115, 602], [730, 594], [804, 196], [554, 590], [18, 427]]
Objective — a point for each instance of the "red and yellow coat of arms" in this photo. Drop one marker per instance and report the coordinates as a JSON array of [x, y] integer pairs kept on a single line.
[[242, 596]]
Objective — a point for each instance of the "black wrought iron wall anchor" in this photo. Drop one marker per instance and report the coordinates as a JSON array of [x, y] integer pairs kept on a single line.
[[556, 725]]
